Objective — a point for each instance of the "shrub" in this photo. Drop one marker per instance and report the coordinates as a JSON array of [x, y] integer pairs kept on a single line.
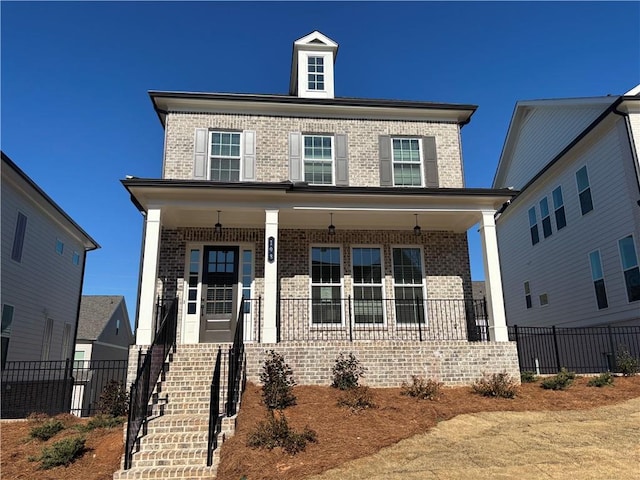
[[114, 400], [500, 385], [528, 377], [421, 388], [627, 364], [276, 432], [601, 380], [62, 453], [101, 421], [277, 382], [358, 398], [346, 372], [46, 430], [560, 381]]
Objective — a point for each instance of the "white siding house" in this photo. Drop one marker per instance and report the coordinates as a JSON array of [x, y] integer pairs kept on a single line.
[[43, 259], [569, 242]]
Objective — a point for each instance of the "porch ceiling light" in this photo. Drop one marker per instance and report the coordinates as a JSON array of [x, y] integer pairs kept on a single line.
[[217, 228], [417, 231], [332, 227]]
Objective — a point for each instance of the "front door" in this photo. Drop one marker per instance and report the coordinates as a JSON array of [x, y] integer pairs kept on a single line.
[[219, 309]]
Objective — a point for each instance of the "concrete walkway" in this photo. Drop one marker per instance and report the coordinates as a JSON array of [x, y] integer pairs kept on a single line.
[[602, 443]]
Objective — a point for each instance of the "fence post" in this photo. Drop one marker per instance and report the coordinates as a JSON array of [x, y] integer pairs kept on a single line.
[[611, 360], [518, 346], [259, 317], [555, 343], [350, 319]]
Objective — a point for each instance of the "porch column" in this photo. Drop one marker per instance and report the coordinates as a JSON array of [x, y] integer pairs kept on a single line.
[[493, 281], [147, 304], [269, 329]]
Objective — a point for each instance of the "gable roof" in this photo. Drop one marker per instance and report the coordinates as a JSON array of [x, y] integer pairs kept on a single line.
[[95, 313], [313, 41]]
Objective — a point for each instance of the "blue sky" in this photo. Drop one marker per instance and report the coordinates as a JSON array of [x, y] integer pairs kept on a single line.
[[76, 117]]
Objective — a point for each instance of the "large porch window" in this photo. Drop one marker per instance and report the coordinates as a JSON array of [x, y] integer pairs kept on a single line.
[[408, 285], [367, 285], [326, 286]]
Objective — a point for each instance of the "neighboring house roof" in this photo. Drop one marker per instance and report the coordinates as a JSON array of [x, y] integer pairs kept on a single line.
[[89, 243], [95, 313]]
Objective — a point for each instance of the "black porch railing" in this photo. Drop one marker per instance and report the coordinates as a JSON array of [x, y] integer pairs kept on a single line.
[[214, 410], [349, 319], [150, 365], [582, 350]]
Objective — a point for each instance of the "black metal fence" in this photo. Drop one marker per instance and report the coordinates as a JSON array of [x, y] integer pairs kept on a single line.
[[61, 386], [582, 350], [150, 365], [305, 319]]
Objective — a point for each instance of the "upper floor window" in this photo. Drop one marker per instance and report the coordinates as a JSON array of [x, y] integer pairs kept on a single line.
[[76, 258], [407, 162], [630, 267], [546, 217], [558, 206], [18, 237], [224, 161], [584, 190], [315, 72], [533, 226], [317, 157], [7, 320], [59, 246], [527, 295], [598, 279]]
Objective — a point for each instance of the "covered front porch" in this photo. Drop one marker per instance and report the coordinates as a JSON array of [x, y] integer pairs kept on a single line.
[[299, 263]]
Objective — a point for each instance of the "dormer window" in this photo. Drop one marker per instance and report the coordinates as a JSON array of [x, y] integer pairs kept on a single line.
[[315, 71], [225, 156]]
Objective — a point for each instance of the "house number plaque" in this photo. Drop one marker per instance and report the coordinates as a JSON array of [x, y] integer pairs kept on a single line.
[[271, 249]]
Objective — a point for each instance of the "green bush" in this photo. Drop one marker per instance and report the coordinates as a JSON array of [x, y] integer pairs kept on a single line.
[[47, 430], [61, 453], [357, 398], [500, 385], [602, 380], [277, 382], [626, 363], [560, 381], [102, 421], [422, 388], [276, 432], [346, 372], [528, 377], [114, 400]]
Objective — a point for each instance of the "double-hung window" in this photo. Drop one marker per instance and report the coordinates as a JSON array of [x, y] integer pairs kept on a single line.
[[546, 217], [224, 156], [630, 267], [7, 320], [527, 295], [326, 286], [598, 279], [315, 73], [407, 162], [584, 190], [408, 285], [533, 226], [18, 237], [318, 159], [558, 207], [367, 285]]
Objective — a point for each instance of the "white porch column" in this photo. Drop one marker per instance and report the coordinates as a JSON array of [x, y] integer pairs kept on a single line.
[[144, 332], [269, 328], [493, 281]]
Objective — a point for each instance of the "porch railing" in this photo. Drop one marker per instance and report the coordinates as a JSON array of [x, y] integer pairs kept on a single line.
[[214, 410], [349, 319], [150, 365]]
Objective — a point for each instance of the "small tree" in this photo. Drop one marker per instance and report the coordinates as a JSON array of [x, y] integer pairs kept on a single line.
[[346, 372], [277, 382], [114, 400]]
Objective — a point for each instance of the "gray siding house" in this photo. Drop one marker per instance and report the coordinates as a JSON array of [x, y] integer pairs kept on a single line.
[[570, 240]]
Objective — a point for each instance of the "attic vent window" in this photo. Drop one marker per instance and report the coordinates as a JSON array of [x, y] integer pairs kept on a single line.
[[315, 73]]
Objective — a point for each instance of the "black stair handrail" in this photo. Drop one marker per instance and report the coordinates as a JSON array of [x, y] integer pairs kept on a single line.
[[214, 410], [149, 369], [236, 358]]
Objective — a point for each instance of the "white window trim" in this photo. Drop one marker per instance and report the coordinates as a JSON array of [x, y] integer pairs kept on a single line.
[[622, 269], [553, 205], [593, 280], [575, 176], [320, 326], [61, 243], [382, 284], [545, 198], [546, 295], [324, 71], [24, 236], [210, 154], [333, 157], [526, 285], [535, 211], [421, 163], [47, 339], [423, 283]]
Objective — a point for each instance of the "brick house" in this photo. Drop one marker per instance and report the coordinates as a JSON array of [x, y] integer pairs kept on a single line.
[[319, 225]]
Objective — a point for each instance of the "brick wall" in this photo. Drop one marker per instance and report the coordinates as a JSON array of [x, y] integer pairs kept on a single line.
[[388, 364], [272, 137]]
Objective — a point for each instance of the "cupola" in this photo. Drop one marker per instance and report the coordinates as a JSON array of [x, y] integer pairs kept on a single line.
[[312, 66]]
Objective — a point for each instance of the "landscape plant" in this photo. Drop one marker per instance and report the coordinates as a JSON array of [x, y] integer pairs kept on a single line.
[[46, 430], [602, 380], [626, 363], [276, 432], [357, 398], [346, 372], [277, 382], [60, 453], [528, 377], [562, 380], [114, 399], [500, 385], [425, 389]]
